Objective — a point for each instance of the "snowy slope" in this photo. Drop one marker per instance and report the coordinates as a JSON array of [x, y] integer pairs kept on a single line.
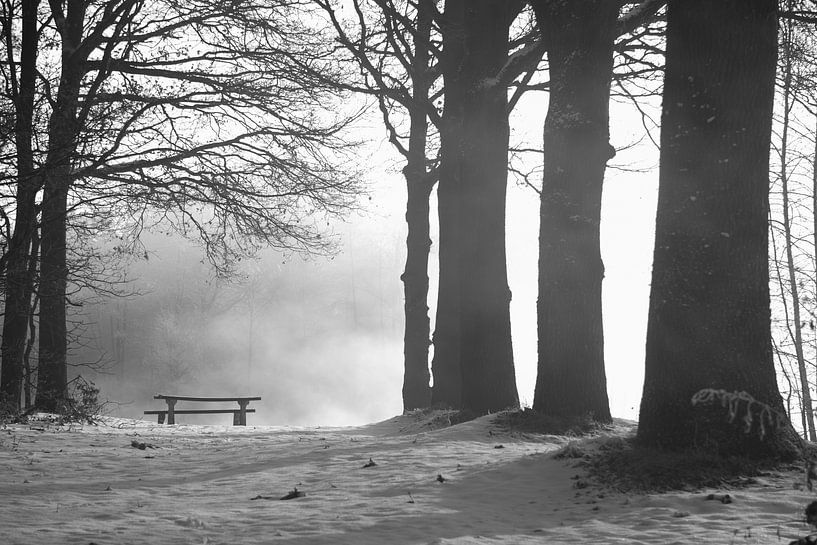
[[221, 485]]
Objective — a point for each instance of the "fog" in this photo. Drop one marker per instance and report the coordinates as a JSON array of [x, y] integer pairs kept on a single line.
[[320, 338]]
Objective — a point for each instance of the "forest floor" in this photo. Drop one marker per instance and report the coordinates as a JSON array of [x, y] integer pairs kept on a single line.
[[413, 479]]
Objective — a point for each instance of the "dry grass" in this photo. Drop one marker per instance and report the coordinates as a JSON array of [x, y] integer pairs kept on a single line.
[[625, 466]]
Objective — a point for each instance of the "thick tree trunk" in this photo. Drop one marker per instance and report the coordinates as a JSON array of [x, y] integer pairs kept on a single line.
[[416, 381], [571, 380], [18, 283], [471, 194], [709, 317], [486, 352]]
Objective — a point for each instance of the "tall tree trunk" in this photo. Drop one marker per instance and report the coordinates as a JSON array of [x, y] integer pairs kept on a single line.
[[416, 381], [18, 284], [52, 373], [814, 230], [571, 380], [473, 183], [486, 352], [709, 317], [416, 387]]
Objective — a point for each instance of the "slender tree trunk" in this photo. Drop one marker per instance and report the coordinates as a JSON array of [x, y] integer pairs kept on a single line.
[[781, 284], [18, 291], [814, 233], [791, 391], [709, 317], [473, 356], [571, 380], [788, 243], [416, 380]]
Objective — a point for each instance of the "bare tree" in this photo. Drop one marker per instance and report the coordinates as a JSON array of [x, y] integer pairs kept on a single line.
[[394, 46], [189, 114]]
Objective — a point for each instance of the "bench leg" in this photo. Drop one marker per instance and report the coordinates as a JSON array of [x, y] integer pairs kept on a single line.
[[242, 413], [236, 418], [171, 411], [161, 418]]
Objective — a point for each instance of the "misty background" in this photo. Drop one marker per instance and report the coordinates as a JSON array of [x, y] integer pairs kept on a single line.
[[320, 338]]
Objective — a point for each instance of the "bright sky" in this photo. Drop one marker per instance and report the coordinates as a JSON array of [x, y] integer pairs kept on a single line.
[[628, 224]]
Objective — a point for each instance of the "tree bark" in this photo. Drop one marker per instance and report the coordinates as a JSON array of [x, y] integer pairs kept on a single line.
[[473, 276], [33, 264], [709, 316], [52, 373], [416, 380], [18, 282], [571, 379]]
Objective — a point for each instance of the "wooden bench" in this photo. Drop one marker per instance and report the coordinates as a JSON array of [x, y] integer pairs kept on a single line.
[[239, 415]]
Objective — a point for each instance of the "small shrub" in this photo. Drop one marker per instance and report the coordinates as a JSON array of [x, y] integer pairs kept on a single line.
[[8, 410], [82, 404], [531, 421], [628, 467], [570, 450], [436, 418]]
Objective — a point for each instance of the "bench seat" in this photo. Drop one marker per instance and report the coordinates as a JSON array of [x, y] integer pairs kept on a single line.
[[206, 399]]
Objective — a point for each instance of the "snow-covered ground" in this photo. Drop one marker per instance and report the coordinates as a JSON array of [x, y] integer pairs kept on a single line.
[[222, 485]]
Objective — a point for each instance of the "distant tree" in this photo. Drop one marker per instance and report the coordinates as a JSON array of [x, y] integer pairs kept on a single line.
[[709, 315], [393, 45]]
